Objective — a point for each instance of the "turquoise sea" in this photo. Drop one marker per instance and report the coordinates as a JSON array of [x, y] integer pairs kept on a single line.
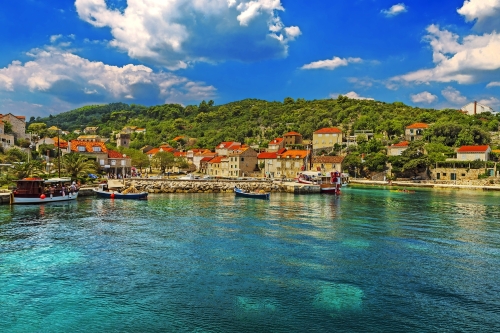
[[371, 260]]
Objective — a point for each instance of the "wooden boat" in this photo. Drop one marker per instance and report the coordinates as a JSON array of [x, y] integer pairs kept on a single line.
[[38, 191], [256, 195], [103, 191], [331, 184]]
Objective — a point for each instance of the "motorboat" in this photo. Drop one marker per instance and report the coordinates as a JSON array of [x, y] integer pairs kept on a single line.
[[34, 190]]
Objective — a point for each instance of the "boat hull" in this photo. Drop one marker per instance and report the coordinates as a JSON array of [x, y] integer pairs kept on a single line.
[[117, 195], [240, 193], [19, 200]]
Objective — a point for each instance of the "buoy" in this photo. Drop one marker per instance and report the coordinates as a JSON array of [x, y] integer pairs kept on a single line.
[[42, 196], [112, 195]]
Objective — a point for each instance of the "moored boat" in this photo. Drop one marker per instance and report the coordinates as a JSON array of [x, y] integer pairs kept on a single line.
[[35, 190], [331, 184], [103, 191], [246, 194]]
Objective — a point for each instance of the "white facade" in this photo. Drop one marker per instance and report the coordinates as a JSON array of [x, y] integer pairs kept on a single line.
[[476, 108]]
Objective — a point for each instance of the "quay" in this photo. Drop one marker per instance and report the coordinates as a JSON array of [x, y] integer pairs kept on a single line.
[[152, 185]]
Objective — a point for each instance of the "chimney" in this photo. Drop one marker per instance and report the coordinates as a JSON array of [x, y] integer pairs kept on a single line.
[[475, 107]]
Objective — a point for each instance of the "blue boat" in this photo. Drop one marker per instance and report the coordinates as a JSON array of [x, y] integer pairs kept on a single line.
[[246, 194], [104, 192]]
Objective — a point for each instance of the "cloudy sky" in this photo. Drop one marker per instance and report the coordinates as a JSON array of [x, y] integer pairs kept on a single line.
[[61, 54]]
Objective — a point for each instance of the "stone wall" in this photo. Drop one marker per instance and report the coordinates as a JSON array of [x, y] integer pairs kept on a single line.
[[195, 186]]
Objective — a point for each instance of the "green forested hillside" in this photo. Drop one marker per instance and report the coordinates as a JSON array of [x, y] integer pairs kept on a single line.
[[258, 121]]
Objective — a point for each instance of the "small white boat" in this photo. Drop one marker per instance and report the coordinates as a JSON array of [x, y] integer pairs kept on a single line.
[[37, 190]]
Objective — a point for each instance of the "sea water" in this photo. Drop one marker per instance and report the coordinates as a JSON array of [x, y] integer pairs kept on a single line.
[[370, 260]]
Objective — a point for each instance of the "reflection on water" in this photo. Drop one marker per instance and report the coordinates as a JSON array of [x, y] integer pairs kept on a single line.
[[368, 261]]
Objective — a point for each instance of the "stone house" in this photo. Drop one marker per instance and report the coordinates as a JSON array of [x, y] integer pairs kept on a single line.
[[473, 153], [214, 166], [327, 164], [327, 138], [18, 126], [123, 139], [397, 149], [6, 140], [195, 156], [291, 162], [292, 138], [222, 149], [276, 145], [242, 162], [90, 130], [90, 138], [269, 160], [415, 131], [109, 161]]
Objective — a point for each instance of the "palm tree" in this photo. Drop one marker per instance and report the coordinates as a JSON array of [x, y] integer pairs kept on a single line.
[[77, 165], [26, 169]]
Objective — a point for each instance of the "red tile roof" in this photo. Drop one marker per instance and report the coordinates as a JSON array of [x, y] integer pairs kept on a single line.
[[180, 154], [328, 130], [292, 134], [216, 159], [294, 154], [473, 149], [281, 151], [267, 155], [153, 151], [206, 159], [89, 145], [401, 144], [418, 125], [327, 159], [276, 141], [115, 154]]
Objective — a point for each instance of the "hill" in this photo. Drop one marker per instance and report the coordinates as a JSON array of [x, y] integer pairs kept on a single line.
[[258, 121]]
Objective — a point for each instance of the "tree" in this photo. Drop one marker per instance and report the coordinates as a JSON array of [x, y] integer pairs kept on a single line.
[[7, 127], [163, 160], [26, 169], [38, 128], [16, 155], [77, 165]]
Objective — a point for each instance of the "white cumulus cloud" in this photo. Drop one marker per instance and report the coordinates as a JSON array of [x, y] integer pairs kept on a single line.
[[484, 12], [331, 64], [493, 84], [454, 96], [491, 102], [176, 33], [473, 59], [424, 97], [73, 79], [394, 10]]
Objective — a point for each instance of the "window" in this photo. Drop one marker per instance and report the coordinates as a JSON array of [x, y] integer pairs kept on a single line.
[[113, 162], [242, 159], [81, 148], [320, 135], [96, 149], [101, 162]]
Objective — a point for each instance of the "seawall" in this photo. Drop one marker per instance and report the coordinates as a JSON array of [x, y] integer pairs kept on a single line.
[[196, 186]]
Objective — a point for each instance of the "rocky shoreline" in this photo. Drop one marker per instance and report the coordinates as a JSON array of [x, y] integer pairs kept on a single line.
[[213, 186]]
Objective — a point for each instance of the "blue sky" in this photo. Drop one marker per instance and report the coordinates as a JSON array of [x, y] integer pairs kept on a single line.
[[61, 54]]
